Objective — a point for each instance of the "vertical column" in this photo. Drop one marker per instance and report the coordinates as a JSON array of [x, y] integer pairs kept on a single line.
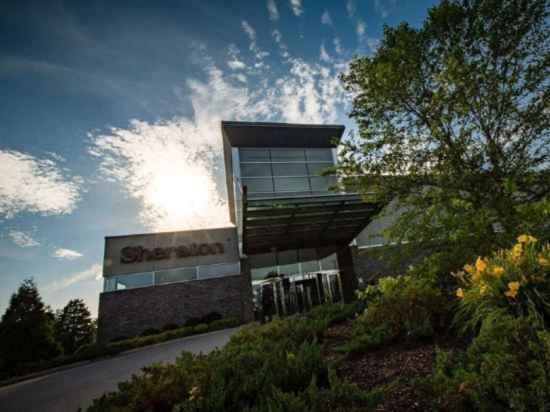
[[347, 273], [247, 307]]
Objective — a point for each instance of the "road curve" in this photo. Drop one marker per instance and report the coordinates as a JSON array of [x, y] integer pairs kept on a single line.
[[70, 389]]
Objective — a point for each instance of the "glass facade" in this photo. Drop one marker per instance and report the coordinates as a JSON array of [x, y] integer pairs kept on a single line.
[[280, 172], [162, 277], [291, 263]]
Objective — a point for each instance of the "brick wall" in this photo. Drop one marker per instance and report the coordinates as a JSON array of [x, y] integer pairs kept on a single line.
[[130, 312]]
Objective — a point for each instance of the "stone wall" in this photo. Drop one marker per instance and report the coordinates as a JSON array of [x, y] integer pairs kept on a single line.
[[129, 312]]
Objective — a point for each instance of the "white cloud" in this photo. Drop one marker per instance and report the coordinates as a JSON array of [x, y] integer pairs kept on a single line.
[[234, 61], [174, 168], [326, 19], [272, 9], [351, 8], [62, 253], [337, 45], [360, 28], [323, 55], [236, 64], [259, 54], [93, 272], [250, 32], [22, 239], [384, 7], [29, 184], [296, 6], [279, 41]]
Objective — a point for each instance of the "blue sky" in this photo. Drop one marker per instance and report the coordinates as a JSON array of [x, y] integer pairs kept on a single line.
[[108, 107]]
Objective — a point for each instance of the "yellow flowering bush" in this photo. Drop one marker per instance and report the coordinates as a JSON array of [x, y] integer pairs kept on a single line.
[[517, 279]]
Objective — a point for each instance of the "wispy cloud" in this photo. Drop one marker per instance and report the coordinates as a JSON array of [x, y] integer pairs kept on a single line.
[[30, 184], [384, 7], [69, 254], [337, 45], [259, 54], [326, 19], [278, 37], [360, 28], [272, 9], [323, 55], [234, 62], [93, 272], [22, 239], [296, 6], [174, 168], [351, 8]]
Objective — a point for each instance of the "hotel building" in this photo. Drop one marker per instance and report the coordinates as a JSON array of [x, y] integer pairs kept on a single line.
[[296, 240]]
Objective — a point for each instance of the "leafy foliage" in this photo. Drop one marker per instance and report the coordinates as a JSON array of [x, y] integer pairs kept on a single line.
[[516, 280], [26, 329], [73, 326], [506, 368], [272, 367], [453, 125], [398, 307]]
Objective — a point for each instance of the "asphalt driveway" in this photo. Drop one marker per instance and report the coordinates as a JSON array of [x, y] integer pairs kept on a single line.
[[70, 389]]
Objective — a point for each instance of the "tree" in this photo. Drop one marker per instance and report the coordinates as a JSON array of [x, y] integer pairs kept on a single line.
[[74, 326], [26, 329], [453, 124]]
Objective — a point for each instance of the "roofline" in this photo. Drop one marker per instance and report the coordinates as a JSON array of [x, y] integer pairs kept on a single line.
[[171, 231], [230, 123]]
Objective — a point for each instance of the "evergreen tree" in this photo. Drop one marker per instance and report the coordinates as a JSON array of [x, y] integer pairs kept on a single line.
[[26, 329], [74, 326]]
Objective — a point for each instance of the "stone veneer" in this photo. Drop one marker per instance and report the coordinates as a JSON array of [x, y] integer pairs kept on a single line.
[[129, 312]]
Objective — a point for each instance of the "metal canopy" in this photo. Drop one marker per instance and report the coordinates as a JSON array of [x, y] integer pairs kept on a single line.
[[304, 222], [259, 134]]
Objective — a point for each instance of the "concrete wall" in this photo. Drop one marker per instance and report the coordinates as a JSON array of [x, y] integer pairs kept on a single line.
[[130, 312]]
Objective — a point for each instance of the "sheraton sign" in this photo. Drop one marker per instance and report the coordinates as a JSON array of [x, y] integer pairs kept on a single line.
[[134, 254]]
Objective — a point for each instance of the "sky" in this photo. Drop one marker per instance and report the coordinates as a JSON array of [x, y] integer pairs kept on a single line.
[[110, 115]]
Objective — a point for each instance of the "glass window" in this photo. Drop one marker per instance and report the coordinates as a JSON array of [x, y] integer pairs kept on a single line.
[[258, 185], [109, 284], [291, 184], [311, 266], [289, 169], [175, 275], [282, 155], [254, 155], [255, 170], [329, 263], [319, 155], [322, 183], [318, 168], [136, 280], [224, 269]]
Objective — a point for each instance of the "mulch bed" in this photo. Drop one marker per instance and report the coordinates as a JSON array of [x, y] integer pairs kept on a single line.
[[404, 361]]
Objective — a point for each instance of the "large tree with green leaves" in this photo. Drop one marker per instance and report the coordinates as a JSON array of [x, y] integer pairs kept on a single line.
[[453, 122], [26, 329], [74, 326]]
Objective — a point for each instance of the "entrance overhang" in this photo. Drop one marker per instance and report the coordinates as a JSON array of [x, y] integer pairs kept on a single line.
[[320, 222]]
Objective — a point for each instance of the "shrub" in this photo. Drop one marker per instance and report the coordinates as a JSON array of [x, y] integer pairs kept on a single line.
[[516, 280], [169, 326], [192, 322], [211, 317], [401, 306], [200, 328], [150, 331], [506, 368], [273, 367]]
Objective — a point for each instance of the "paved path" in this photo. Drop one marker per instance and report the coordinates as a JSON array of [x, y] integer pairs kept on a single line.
[[70, 389]]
